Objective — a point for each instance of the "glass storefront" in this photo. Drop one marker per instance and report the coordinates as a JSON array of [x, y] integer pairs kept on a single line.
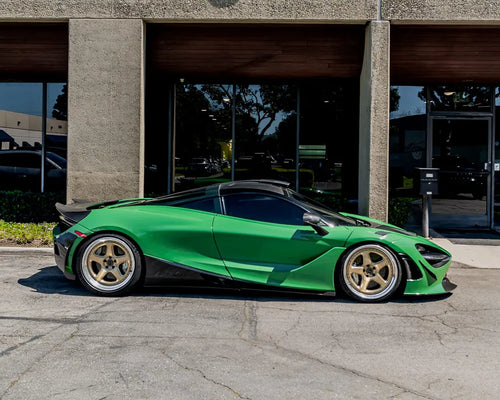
[[460, 151], [266, 118], [496, 162], [203, 139], [460, 98], [233, 131], [33, 151], [407, 137], [450, 127]]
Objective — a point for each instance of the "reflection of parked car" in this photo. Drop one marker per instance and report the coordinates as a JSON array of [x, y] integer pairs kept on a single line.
[[21, 169], [201, 166], [458, 175]]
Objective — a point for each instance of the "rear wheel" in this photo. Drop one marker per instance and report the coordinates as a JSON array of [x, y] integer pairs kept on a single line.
[[109, 265], [370, 273]]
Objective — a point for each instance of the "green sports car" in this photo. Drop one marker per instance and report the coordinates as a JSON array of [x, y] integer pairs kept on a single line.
[[252, 234]]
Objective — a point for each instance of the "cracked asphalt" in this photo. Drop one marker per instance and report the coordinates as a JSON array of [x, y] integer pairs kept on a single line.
[[59, 342]]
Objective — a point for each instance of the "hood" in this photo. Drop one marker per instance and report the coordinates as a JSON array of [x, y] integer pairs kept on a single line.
[[376, 224]]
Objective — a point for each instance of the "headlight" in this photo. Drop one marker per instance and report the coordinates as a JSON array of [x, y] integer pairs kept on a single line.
[[433, 256]]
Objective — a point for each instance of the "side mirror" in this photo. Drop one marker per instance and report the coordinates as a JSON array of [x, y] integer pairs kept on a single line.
[[314, 221]]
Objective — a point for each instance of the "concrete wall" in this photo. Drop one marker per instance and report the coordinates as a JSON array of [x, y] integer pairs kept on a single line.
[[202, 10], [442, 11], [105, 109], [397, 11], [373, 182]]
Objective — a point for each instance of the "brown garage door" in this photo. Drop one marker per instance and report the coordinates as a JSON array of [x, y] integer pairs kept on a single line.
[[255, 51], [33, 52], [424, 54]]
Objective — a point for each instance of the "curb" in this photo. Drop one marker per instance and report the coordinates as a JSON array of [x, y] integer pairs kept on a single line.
[[17, 250]]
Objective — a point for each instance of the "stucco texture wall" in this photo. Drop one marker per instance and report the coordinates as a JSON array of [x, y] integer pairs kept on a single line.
[[442, 11], [202, 10], [105, 105]]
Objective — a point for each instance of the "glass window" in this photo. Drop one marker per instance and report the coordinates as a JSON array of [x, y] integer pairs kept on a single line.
[[460, 98], [263, 208], [207, 205], [328, 149], [21, 137], [496, 161], [407, 137], [57, 122], [266, 132], [460, 151], [203, 138], [29, 160], [261, 119]]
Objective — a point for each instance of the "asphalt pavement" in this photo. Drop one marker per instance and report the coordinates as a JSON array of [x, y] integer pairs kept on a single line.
[[59, 342]]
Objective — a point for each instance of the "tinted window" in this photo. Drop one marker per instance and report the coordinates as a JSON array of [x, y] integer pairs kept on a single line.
[[263, 208], [8, 160], [29, 160], [202, 205]]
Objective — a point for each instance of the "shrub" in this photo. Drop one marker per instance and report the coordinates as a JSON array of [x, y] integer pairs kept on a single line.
[[16, 206], [26, 233], [399, 210]]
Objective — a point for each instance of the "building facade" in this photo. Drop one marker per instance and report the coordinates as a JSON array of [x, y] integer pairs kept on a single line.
[[338, 97]]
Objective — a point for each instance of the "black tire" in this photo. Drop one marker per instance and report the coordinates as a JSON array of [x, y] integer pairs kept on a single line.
[[109, 264], [369, 273]]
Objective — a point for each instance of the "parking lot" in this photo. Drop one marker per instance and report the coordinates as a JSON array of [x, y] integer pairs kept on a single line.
[[59, 342]]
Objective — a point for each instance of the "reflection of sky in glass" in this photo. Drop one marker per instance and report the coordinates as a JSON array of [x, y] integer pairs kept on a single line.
[[26, 98], [409, 102], [497, 96]]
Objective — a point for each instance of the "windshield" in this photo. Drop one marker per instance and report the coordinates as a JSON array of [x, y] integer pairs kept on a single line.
[[319, 208]]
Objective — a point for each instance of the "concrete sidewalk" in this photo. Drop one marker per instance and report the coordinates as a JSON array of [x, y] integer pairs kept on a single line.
[[472, 254]]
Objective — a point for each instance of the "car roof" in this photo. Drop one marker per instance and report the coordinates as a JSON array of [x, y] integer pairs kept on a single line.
[[257, 185]]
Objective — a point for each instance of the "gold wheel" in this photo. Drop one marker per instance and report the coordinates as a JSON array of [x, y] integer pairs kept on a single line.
[[370, 273], [108, 264]]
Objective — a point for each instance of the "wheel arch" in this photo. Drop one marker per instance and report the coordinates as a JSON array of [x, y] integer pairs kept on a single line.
[[404, 278], [104, 232]]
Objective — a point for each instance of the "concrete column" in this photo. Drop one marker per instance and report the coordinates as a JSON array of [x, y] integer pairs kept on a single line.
[[105, 109], [374, 123]]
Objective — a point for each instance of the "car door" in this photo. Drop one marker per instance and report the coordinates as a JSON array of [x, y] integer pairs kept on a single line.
[[178, 234], [262, 239]]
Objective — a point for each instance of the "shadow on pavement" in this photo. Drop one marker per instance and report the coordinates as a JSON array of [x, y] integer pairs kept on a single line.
[[50, 280]]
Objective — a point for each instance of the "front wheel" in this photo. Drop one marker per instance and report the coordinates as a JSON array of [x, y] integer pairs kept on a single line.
[[109, 265], [370, 273]]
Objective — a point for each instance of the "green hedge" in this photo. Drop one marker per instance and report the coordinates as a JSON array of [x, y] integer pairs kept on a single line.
[[399, 210], [19, 206]]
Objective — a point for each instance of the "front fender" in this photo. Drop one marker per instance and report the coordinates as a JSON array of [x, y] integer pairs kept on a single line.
[[430, 279]]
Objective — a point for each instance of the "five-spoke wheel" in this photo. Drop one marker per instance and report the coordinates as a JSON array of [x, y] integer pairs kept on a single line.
[[370, 272], [109, 264]]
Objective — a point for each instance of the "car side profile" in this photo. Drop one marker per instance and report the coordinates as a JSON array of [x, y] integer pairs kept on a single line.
[[244, 234]]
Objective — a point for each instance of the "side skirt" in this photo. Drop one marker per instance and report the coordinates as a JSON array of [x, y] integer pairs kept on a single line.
[[166, 273]]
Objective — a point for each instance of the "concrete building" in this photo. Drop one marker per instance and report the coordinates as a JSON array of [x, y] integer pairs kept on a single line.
[[383, 85]]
